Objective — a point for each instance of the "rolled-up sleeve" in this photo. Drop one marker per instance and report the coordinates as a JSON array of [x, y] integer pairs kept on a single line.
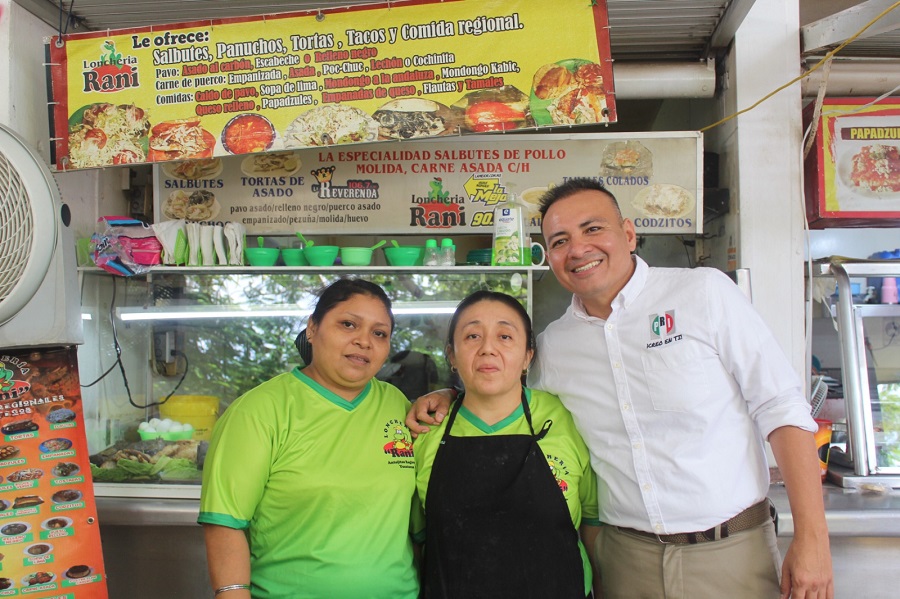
[[770, 386]]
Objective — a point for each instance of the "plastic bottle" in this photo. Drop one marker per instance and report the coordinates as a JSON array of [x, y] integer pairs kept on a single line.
[[889, 290], [509, 235], [432, 255], [448, 252]]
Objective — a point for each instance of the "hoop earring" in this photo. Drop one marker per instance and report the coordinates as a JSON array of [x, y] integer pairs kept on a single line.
[[524, 372], [453, 370]]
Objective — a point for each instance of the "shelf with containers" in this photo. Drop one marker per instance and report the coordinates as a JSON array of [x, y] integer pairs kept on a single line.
[[206, 335], [868, 344]]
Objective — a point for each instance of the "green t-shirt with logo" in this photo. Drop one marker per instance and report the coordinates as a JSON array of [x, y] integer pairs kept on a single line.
[[324, 488], [567, 456]]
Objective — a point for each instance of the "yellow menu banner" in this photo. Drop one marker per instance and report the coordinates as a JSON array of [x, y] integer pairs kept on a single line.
[[393, 71]]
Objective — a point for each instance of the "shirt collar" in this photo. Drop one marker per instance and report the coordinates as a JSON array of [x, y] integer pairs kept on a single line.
[[625, 297]]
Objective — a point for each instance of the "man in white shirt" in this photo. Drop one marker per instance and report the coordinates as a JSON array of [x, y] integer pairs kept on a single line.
[[674, 381]]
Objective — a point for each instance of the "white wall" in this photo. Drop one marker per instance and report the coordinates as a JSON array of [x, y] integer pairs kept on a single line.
[[761, 150], [23, 108]]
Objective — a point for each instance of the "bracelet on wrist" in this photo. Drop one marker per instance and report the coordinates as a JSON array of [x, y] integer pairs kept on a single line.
[[231, 587]]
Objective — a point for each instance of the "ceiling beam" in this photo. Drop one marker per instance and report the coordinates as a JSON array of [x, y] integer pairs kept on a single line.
[[48, 12], [729, 23], [835, 29]]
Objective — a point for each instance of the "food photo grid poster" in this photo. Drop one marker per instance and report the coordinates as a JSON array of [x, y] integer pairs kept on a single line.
[[49, 535], [433, 187], [391, 71], [853, 175]]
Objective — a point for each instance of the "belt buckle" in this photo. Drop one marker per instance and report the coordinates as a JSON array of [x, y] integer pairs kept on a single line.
[[661, 541], [716, 533]]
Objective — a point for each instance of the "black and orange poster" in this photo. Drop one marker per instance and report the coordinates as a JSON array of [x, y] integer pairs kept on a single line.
[[49, 534], [393, 71]]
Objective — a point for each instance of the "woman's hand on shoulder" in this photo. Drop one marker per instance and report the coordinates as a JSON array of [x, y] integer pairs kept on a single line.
[[430, 409]]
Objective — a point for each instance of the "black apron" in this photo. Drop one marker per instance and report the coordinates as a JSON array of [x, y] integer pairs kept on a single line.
[[496, 522]]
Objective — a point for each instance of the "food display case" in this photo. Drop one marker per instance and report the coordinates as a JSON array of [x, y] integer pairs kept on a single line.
[[869, 337], [183, 343]]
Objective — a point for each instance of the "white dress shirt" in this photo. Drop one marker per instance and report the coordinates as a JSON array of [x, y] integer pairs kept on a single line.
[[673, 394]]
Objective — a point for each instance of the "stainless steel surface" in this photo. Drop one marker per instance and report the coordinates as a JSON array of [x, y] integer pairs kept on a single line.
[[849, 512], [834, 29], [155, 562], [858, 268], [864, 391], [855, 364], [134, 511], [845, 477], [850, 368]]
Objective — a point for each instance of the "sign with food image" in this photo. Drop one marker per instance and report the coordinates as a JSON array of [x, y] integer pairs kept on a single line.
[[436, 185], [853, 174], [49, 534], [392, 71]]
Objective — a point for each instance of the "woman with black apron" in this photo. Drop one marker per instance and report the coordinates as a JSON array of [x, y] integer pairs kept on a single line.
[[505, 480]]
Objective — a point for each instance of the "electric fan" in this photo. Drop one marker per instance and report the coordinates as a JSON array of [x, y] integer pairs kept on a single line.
[[39, 304]]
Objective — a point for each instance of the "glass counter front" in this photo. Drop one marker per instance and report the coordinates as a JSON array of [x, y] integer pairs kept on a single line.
[[183, 343]]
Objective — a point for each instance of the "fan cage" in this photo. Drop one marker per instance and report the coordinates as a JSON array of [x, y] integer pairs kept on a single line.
[[16, 228]]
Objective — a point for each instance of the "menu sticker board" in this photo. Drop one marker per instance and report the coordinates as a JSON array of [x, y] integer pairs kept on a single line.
[[392, 71], [435, 186], [49, 534], [853, 174]]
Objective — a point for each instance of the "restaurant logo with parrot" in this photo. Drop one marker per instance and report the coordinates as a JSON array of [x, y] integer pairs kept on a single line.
[[560, 471], [399, 443], [112, 72], [10, 387]]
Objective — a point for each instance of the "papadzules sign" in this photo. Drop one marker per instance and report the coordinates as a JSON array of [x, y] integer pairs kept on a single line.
[[398, 71]]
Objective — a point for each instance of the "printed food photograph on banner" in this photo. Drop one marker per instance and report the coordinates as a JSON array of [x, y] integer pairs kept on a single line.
[[494, 109], [48, 516], [874, 170], [248, 134], [105, 134], [664, 200], [179, 139], [272, 163], [270, 82], [205, 168], [198, 205], [331, 125], [409, 118], [569, 92], [626, 158]]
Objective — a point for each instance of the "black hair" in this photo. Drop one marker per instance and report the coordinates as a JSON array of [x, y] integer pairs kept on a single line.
[[571, 187], [344, 289], [492, 296], [338, 292]]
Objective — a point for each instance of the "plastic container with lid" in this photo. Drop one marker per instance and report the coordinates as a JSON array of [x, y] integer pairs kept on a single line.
[[432, 255], [201, 411], [448, 252]]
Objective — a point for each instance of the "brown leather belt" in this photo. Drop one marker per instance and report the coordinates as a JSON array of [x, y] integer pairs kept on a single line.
[[749, 518]]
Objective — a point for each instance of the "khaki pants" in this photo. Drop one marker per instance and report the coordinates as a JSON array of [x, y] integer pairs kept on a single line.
[[745, 565]]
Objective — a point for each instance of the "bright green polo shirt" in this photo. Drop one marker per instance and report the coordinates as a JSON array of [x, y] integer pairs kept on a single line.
[[567, 456], [324, 488]]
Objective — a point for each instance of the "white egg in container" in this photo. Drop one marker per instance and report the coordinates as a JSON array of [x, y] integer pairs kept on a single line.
[[166, 429]]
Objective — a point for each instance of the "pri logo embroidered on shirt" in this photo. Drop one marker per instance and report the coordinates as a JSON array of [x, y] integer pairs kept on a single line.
[[662, 329]]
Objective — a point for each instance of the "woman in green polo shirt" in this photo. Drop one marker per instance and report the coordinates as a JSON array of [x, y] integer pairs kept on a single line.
[[309, 480], [505, 479]]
